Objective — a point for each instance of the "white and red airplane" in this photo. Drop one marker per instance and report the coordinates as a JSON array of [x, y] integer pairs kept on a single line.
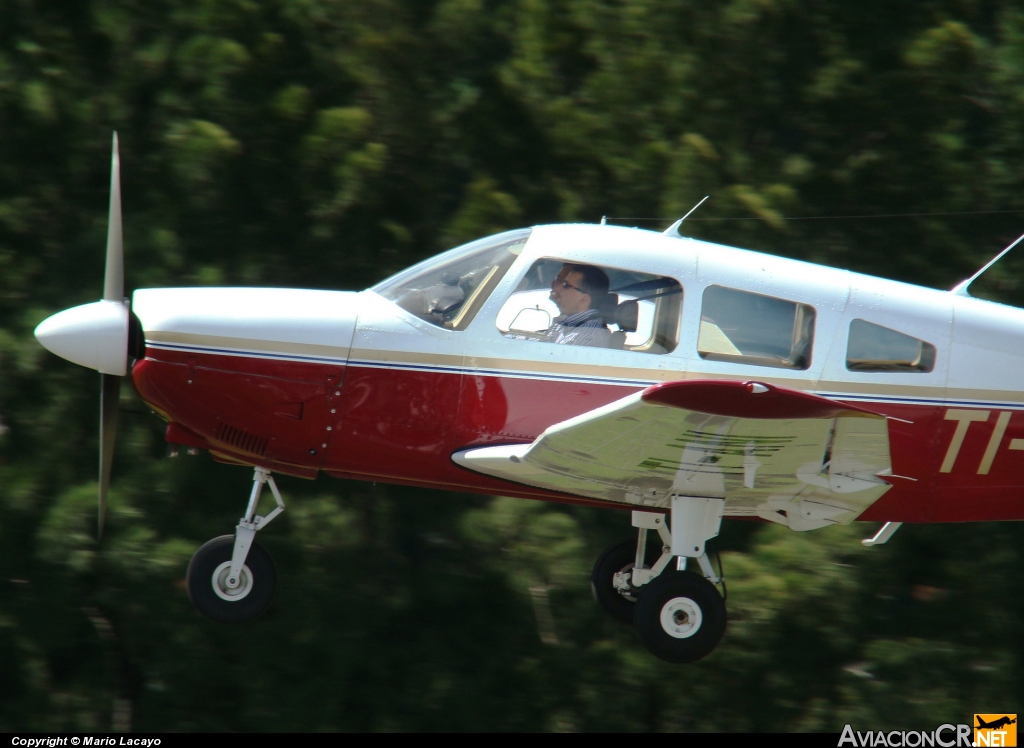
[[715, 382]]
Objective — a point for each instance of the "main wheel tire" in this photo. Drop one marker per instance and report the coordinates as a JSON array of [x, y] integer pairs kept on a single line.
[[620, 557], [679, 616], [207, 588]]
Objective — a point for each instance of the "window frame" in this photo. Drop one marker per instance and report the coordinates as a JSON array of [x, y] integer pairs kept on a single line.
[[804, 318], [479, 296], [891, 367], [667, 315]]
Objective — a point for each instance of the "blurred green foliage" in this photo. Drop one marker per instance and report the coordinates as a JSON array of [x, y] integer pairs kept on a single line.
[[329, 143]]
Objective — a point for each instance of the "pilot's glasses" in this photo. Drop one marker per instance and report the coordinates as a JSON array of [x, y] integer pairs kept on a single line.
[[563, 284]]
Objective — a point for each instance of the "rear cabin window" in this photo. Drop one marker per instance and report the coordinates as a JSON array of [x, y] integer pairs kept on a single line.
[[875, 348], [589, 305], [751, 328]]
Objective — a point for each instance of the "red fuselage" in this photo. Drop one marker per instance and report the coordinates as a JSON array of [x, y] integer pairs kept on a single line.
[[399, 425]]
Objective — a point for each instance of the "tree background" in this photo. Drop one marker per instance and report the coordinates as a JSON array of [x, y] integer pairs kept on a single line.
[[329, 143]]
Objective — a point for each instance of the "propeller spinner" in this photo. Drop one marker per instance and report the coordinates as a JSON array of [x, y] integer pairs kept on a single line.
[[96, 335]]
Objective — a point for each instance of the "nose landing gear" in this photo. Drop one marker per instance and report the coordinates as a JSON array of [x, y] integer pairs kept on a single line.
[[679, 615], [231, 579]]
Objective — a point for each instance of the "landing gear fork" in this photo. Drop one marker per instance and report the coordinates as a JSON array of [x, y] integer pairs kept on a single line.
[[252, 523], [231, 579]]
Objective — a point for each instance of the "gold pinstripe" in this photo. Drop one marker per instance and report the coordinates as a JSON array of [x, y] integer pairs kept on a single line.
[[526, 367]]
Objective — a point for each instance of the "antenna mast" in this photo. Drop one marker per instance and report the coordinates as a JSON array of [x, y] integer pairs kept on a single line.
[[673, 230], [960, 289]]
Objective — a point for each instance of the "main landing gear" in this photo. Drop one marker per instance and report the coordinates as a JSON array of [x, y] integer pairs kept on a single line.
[[231, 578], [678, 614]]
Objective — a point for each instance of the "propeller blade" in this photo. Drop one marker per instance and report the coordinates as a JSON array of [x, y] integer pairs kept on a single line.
[[113, 290], [110, 393], [113, 279]]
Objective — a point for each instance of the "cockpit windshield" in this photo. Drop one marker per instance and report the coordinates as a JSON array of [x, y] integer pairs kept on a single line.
[[449, 289]]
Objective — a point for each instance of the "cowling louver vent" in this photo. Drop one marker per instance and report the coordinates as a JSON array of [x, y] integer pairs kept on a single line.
[[241, 440]]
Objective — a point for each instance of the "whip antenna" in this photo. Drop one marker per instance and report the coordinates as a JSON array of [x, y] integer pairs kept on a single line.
[[960, 289], [673, 230]]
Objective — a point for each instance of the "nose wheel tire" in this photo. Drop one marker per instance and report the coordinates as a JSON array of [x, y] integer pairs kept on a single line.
[[679, 616], [209, 591], [621, 557]]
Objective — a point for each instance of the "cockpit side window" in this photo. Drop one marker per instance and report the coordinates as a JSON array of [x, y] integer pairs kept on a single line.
[[568, 303], [449, 289], [875, 348]]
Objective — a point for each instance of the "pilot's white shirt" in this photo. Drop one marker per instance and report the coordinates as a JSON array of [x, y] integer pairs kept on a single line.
[[582, 328]]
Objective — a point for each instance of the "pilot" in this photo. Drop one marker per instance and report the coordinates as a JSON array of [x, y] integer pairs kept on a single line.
[[579, 291]]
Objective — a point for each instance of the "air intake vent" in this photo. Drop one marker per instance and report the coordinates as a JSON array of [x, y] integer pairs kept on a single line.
[[241, 440]]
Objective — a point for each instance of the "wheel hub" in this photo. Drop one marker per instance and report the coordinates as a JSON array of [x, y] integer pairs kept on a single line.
[[623, 584], [681, 617], [222, 587]]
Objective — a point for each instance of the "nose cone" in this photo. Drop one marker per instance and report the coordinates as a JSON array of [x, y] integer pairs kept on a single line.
[[93, 335]]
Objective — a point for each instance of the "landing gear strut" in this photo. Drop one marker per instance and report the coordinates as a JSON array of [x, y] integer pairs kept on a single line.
[[231, 579], [678, 614]]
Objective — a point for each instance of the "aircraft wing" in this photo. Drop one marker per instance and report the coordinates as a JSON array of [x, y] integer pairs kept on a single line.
[[771, 452]]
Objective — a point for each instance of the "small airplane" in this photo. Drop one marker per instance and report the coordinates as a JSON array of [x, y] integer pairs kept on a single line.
[[996, 723], [684, 381]]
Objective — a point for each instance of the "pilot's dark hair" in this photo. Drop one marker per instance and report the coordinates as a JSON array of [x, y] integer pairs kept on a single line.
[[594, 283]]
